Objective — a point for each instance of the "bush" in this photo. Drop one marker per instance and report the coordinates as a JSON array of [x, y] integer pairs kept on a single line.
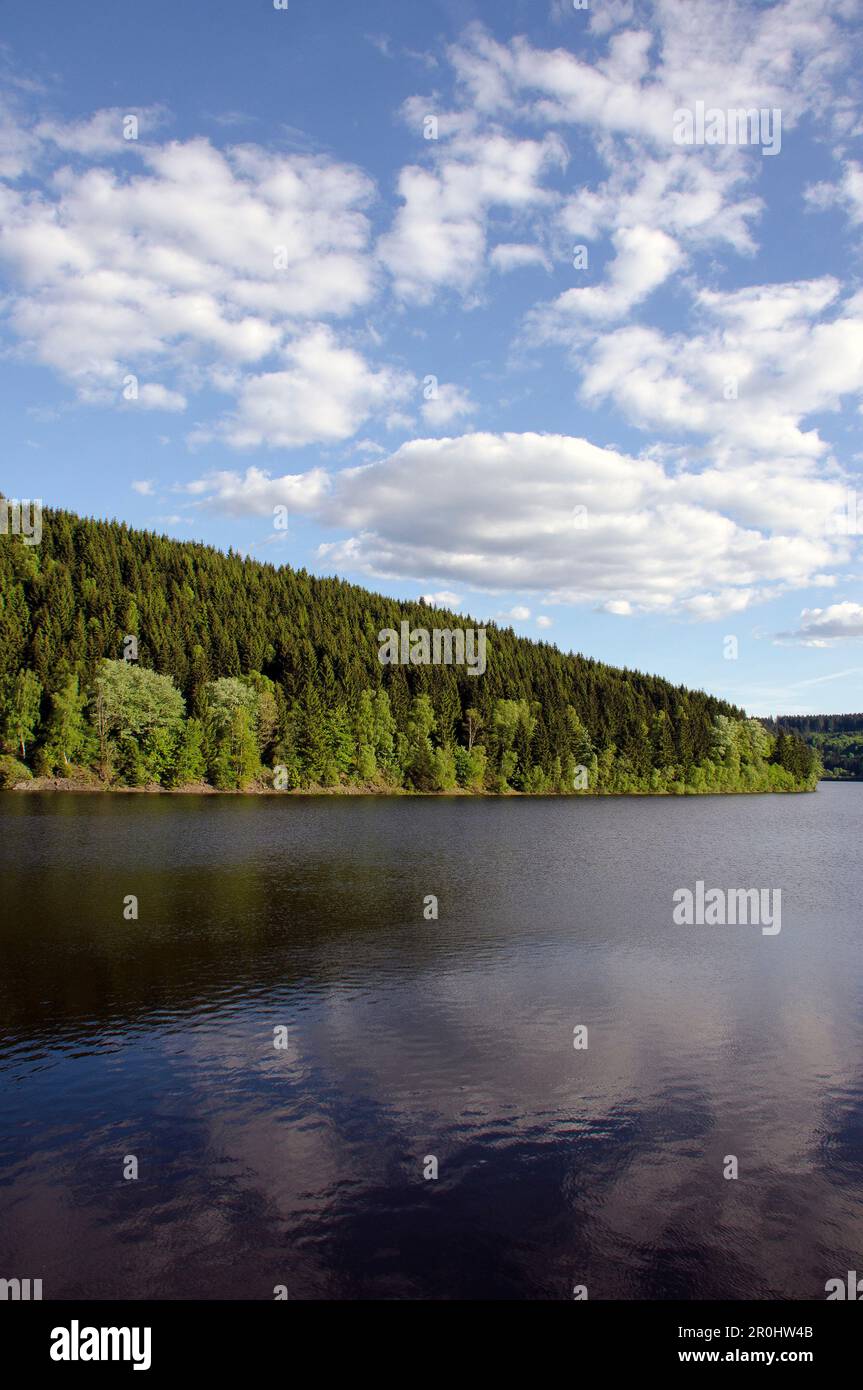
[[11, 771]]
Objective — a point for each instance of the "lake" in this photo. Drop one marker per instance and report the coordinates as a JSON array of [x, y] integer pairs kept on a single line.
[[412, 1040]]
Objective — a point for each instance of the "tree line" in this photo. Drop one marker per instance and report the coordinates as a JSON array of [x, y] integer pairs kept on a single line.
[[247, 674], [836, 738]]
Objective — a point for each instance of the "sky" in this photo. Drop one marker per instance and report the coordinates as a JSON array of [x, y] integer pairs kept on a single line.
[[494, 303]]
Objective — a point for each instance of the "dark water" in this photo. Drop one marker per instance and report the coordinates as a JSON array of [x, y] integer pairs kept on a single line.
[[411, 1038]]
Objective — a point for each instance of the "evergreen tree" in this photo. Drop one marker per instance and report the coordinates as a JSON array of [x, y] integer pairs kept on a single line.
[[296, 658], [419, 758], [189, 762]]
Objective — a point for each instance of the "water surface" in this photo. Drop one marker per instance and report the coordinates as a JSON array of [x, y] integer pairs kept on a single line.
[[411, 1038]]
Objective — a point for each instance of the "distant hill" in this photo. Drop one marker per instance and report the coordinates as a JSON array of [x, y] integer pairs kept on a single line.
[[239, 668], [837, 738]]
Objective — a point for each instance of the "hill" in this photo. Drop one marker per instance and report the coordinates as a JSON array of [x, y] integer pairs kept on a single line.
[[141, 660], [836, 738]]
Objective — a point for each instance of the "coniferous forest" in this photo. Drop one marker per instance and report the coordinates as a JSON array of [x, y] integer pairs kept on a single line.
[[131, 660], [836, 738]]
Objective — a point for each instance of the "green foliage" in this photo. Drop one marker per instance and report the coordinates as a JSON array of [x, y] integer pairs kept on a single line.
[[418, 759], [190, 764], [837, 739], [279, 670], [137, 714], [11, 771], [67, 733], [22, 710], [443, 770]]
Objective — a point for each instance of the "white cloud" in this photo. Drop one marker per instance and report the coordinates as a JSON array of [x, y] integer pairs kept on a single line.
[[782, 55], [847, 192], [323, 394], [256, 493], [450, 403], [693, 200], [399, 421], [644, 259], [444, 599], [789, 55], [769, 357], [153, 396], [544, 621], [827, 627], [206, 258], [438, 237], [144, 486], [497, 515], [102, 133], [514, 255]]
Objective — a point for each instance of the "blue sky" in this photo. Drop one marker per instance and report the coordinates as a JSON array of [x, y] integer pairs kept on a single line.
[[281, 293]]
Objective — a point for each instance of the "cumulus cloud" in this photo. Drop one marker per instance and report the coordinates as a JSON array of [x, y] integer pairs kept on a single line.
[[205, 258], [503, 512], [514, 255], [769, 357], [154, 396], [789, 55], [444, 599], [247, 273], [438, 237], [783, 55], [109, 131], [697, 201], [255, 492], [644, 258], [450, 403], [827, 627], [846, 192], [323, 393]]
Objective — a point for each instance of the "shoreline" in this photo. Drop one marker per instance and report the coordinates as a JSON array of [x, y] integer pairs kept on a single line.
[[71, 785]]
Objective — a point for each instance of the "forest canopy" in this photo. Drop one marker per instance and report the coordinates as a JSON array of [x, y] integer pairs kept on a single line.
[[836, 738], [250, 675]]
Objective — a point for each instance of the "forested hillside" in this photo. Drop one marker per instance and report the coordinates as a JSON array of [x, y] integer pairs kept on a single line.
[[836, 738], [246, 674]]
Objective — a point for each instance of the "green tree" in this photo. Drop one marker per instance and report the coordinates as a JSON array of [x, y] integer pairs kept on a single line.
[[443, 770], [366, 740], [131, 706], [419, 754], [66, 733], [235, 760], [385, 732], [312, 736], [190, 765], [22, 718], [340, 746]]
